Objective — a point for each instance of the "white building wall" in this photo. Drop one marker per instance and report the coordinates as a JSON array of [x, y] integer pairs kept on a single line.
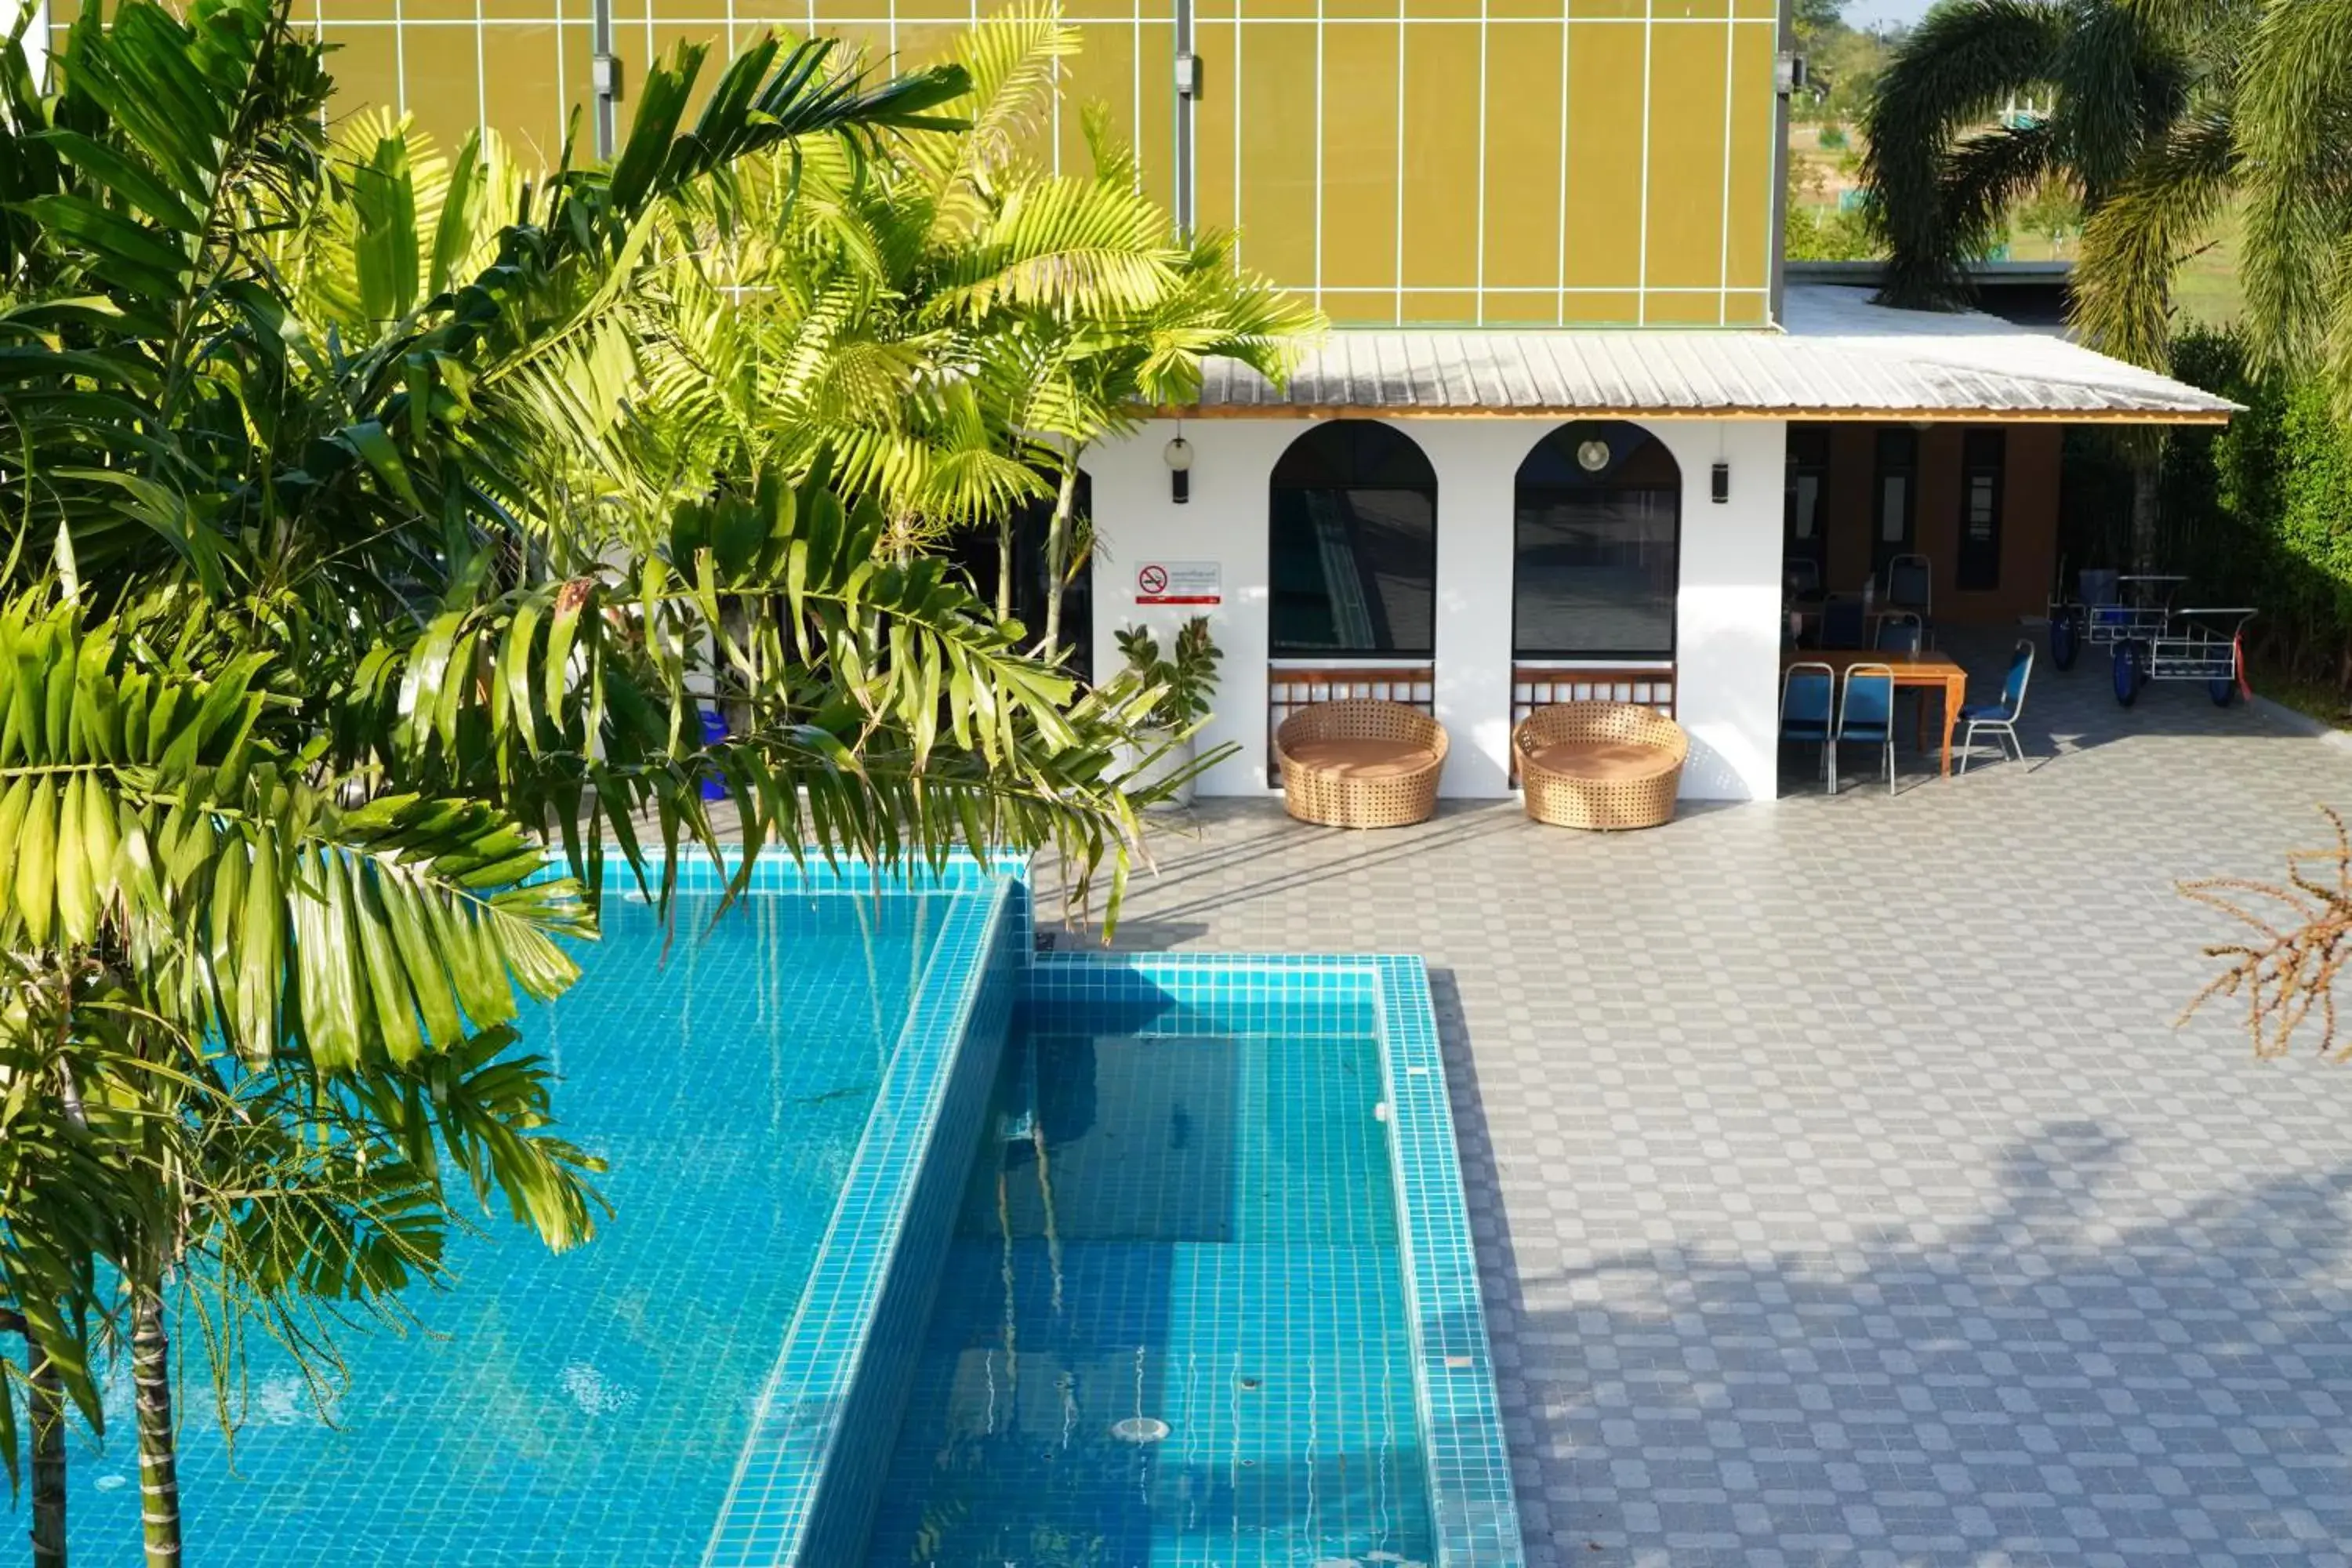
[[1728, 634], [36, 35]]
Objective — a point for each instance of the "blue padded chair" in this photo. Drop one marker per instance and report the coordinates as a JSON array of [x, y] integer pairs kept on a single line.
[[1867, 713], [1911, 586], [1901, 632], [1845, 621], [1808, 694], [2001, 717]]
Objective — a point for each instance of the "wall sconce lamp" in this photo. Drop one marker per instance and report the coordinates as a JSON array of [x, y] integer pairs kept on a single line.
[[1722, 481], [1179, 453]]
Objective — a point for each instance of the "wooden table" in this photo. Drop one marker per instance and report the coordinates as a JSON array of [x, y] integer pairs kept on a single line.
[[1923, 672]]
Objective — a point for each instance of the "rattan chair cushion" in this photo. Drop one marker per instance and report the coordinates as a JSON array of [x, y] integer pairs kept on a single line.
[[1362, 759], [1602, 760]]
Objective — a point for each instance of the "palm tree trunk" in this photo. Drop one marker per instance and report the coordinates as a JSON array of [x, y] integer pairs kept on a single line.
[[2145, 475], [46, 1399], [159, 1465], [1058, 551], [1004, 568]]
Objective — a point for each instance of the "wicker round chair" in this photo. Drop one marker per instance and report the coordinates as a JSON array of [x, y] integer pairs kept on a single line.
[[1603, 765], [1358, 762]]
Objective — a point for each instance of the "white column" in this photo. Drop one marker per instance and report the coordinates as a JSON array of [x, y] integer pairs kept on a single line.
[[1477, 463], [36, 35], [1728, 615], [1136, 521]]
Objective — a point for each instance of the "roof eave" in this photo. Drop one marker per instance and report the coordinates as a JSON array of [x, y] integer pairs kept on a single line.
[[1281, 409]]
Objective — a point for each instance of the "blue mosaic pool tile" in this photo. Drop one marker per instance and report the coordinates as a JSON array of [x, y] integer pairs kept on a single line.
[[1461, 1423], [1297, 999], [835, 1397]]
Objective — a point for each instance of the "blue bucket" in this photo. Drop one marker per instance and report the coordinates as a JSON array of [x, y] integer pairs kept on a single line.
[[714, 730]]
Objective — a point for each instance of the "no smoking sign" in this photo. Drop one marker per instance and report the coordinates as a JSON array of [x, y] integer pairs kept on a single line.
[[1179, 583]]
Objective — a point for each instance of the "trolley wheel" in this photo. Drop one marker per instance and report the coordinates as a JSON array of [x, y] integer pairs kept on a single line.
[[2222, 689], [2065, 639], [2126, 674]]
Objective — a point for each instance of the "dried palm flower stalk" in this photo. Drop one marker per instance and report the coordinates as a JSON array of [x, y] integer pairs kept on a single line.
[[2288, 968]]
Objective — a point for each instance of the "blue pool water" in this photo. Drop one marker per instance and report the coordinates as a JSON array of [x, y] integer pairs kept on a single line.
[[588, 1408], [1189, 1239]]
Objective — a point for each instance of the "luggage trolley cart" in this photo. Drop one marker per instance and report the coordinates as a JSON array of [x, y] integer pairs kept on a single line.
[[2111, 608], [2205, 644]]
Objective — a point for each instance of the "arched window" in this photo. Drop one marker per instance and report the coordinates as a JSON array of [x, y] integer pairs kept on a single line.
[[1599, 526], [1353, 537]]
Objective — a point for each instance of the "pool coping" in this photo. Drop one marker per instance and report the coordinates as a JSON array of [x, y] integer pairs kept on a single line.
[[805, 1404], [1473, 1510], [773, 1491]]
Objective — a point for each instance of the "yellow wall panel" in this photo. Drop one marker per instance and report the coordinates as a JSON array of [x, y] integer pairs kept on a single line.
[[1214, 116], [1745, 309], [1752, 130], [1522, 309], [1604, 309], [1362, 10], [1703, 309], [1275, 86], [1441, 158], [527, 93], [1603, 10], [1686, 156], [1602, 228], [1439, 10], [1361, 309], [1103, 71], [366, 67], [1155, 131], [924, 11], [1523, 111], [1441, 307], [327, 12], [1359, 157], [442, 81]]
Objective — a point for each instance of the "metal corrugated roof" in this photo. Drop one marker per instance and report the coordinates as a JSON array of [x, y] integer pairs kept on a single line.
[[1839, 357]]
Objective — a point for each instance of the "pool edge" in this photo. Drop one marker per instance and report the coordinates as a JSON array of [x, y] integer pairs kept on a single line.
[[1473, 1509], [840, 1374]]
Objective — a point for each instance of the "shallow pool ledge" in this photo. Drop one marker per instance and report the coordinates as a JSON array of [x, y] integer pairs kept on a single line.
[[839, 1386]]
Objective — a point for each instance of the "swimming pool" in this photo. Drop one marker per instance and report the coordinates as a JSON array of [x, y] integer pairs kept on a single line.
[[1209, 1301], [930, 1251], [594, 1408]]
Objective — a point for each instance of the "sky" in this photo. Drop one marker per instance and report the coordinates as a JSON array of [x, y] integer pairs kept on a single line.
[[1868, 14]]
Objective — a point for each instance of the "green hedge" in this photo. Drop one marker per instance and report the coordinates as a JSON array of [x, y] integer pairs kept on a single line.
[[2260, 511]]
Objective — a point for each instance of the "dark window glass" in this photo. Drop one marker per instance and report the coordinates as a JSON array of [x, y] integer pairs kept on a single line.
[[1897, 498], [1982, 456], [1805, 511], [1599, 522], [976, 550], [1353, 545]]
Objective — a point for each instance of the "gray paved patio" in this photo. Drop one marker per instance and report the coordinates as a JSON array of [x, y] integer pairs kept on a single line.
[[1843, 1192]]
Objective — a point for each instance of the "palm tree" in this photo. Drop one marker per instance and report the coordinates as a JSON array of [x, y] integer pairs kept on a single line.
[[2139, 128], [346, 575], [1942, 178], [954, 328]]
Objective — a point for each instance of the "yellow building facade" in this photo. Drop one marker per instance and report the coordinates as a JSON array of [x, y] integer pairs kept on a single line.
[[1459, 162]]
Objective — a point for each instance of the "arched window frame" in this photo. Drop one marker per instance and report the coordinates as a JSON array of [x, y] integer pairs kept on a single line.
[[1640, 464], [1365, 457]]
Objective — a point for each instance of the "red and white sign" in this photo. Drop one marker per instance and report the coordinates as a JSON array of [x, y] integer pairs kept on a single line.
[[1179, 582]]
